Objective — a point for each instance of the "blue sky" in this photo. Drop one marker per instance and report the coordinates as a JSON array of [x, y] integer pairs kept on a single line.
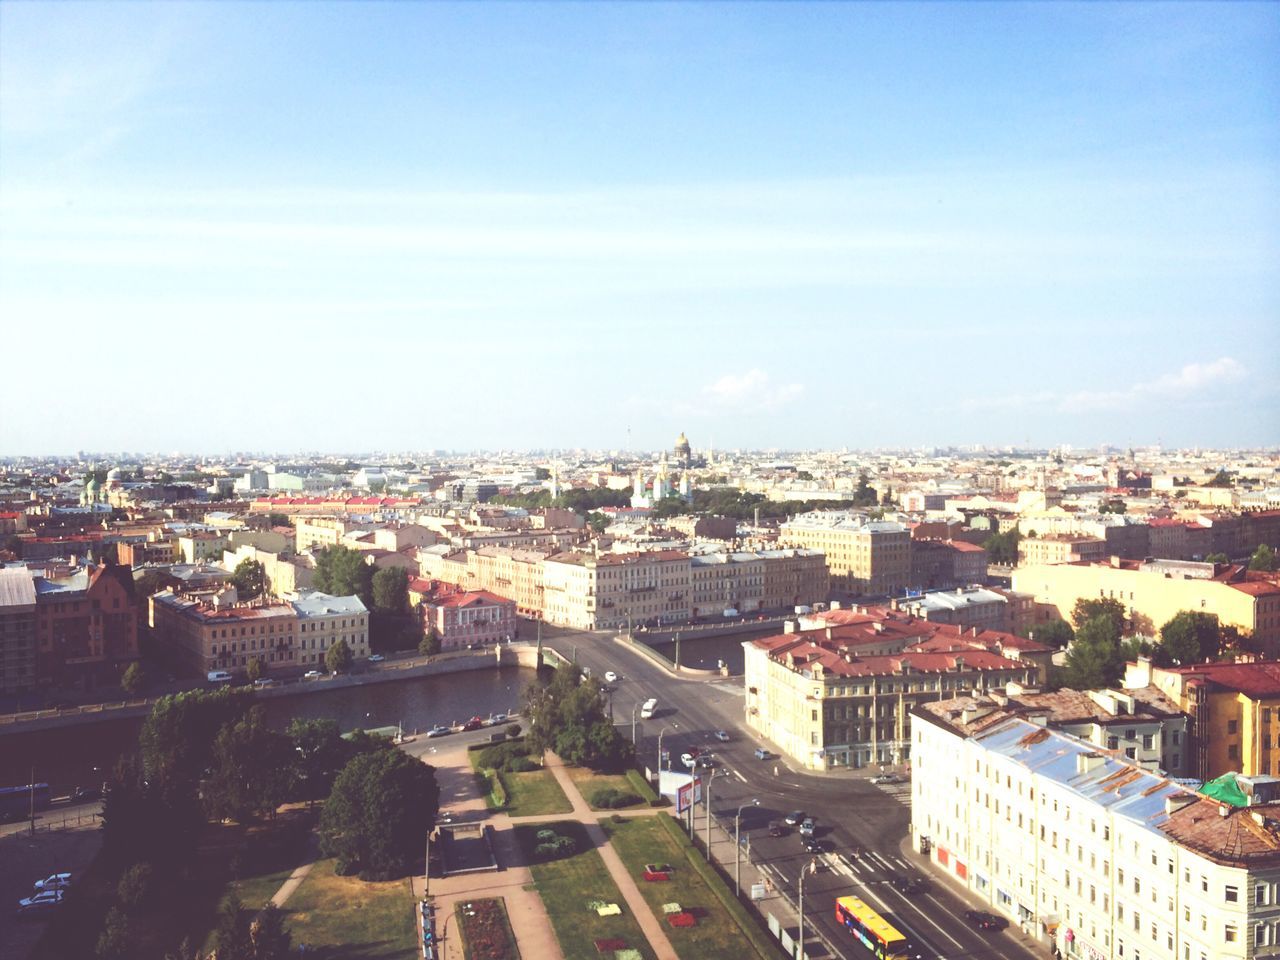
[[362, 226]]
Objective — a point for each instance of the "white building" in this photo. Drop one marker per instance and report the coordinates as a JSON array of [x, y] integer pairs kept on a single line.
[[1088, 852], [324, 620]]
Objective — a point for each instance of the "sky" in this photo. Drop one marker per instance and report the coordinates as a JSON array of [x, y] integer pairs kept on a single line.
[[409, 226]]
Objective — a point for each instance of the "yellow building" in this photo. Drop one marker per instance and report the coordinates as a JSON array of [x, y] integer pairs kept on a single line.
[[1234, 711], [201, 546], [312, 533], [1155, 591], [1035, 551], [864, 556], [590, 592]]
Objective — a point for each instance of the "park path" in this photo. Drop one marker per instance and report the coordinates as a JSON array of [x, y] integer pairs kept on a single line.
[[590, 819]]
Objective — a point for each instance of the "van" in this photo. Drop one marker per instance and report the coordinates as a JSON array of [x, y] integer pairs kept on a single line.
[[219, 676], [648, 707]]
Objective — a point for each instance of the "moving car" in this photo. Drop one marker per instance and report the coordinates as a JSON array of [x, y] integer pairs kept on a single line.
[[265, 683], [376, 658], [722, 736], [886, 778], [648, 708], [439, 731], [807, 827], [985, 921], [312, 675], [812, 845], [908, 883], [610, 677], [777, 828], [41, 902], [794, 818], [57, 881], [706, 761], [688, 759]]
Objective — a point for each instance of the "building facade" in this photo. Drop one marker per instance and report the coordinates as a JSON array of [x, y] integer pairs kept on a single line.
[[464, 619], [214, 632], [17, 630], [324, 620], [870, 557], [86, 627]]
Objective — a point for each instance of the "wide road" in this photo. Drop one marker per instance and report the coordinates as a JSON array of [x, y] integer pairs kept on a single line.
[[854, 816]]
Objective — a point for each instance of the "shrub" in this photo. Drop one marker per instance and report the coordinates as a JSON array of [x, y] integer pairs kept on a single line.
[[514, 731], [521, 765], [135, 887], [608, 798]]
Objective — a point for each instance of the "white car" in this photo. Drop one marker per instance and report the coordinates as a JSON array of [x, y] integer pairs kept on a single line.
[[439, 731], [610, 677], [39, 902], [57, 881], [886, 778], [688, 759], [312, 675], [376, 658]]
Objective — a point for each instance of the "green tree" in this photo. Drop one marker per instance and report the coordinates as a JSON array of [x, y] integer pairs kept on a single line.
[[429, 646], [864, 495], [391, 590], [1264, 559], [378, 815], [134, 679], [1003, 547], [320, 754], [1220, 479], [1094, 659], [256, 668], [253, 769], [271, 941], [150, 582], [338, 658], [1191, 637], [136, 886], [231, 937], [1217, 558], [1114, 505], [570, 717], [116, 942], [541, 473], [1055, 633], [342, 572], [277, 520], [248, 579], [598, 521], [1107, 608]]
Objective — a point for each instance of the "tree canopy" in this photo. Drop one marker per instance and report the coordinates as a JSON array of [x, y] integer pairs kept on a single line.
[[253, 770], [378, 815], [1055, 633], [570, 717], [338, 658], [1264, 559], [248, 579], [1003, 547], [1191, 636], [1108, 608], [391, 590], [1094, 658], [342, 572]]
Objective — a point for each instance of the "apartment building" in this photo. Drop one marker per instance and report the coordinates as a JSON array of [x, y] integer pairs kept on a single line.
[[323, 620], [316, 533], [469, 618], [201, 546], [86, 627], [1153, 592], [726, 583], [794, 577], [838, 696], [940, 564], [1234, 711], [1037, 551], [215, 632], [17, 630], [1085, 851], [871, 557], [590, 592]]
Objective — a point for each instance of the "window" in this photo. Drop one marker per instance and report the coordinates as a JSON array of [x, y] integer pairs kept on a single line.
[[1232, 894], [1230, 933], [1233, 726]]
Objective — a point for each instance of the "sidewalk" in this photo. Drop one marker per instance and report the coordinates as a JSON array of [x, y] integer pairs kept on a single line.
[[639, 907]]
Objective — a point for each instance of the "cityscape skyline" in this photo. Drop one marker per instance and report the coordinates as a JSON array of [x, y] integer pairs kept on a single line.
[[770, 226]]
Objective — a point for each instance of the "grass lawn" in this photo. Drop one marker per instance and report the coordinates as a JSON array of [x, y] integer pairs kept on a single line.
[[642, 840], [567, 885], [344, 918], [534, 793], [588, 782]]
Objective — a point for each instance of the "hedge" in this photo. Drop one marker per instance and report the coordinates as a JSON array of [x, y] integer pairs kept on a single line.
[[641, 786]]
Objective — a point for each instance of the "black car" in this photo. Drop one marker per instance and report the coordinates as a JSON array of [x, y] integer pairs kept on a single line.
[[777, 828], [906, 883], [794, 818], [814, 846], [985, 921]]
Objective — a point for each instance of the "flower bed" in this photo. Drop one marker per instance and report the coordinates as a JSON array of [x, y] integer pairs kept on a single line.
[[486, 934]]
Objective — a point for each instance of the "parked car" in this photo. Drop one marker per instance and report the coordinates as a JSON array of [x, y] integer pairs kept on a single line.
[[908, 883], [610, 677], [762, 753], [312, 675], [722, 736], [265, 683], [439, 731], [777, 828], [985, 921], [688, 759], [794, 818], [498, 718], [42, 902], [56, 881], [376, 658], [475, 723], [807, 827], [886, 778]]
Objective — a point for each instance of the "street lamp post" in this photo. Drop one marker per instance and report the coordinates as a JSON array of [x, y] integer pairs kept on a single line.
[[811, 867], [673, 726], [737, 845], [710, 779], [633, 722]]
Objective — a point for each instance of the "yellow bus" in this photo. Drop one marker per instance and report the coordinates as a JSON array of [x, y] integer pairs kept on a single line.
[[875, 932]]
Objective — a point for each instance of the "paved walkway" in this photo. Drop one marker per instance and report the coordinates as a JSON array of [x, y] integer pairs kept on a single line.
[[281, 896], [590, 819]]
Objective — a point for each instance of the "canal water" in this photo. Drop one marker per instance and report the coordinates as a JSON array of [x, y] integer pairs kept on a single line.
[[84, 754], [706, 652]]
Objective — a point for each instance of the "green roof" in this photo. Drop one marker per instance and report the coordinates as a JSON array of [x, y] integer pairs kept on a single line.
[[1226, 789]]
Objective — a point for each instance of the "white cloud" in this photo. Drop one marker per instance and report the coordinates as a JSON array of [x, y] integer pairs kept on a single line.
[[751, 390], [1194, 378]]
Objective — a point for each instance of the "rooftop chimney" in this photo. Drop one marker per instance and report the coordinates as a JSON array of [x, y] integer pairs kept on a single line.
[[1088, 761]]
